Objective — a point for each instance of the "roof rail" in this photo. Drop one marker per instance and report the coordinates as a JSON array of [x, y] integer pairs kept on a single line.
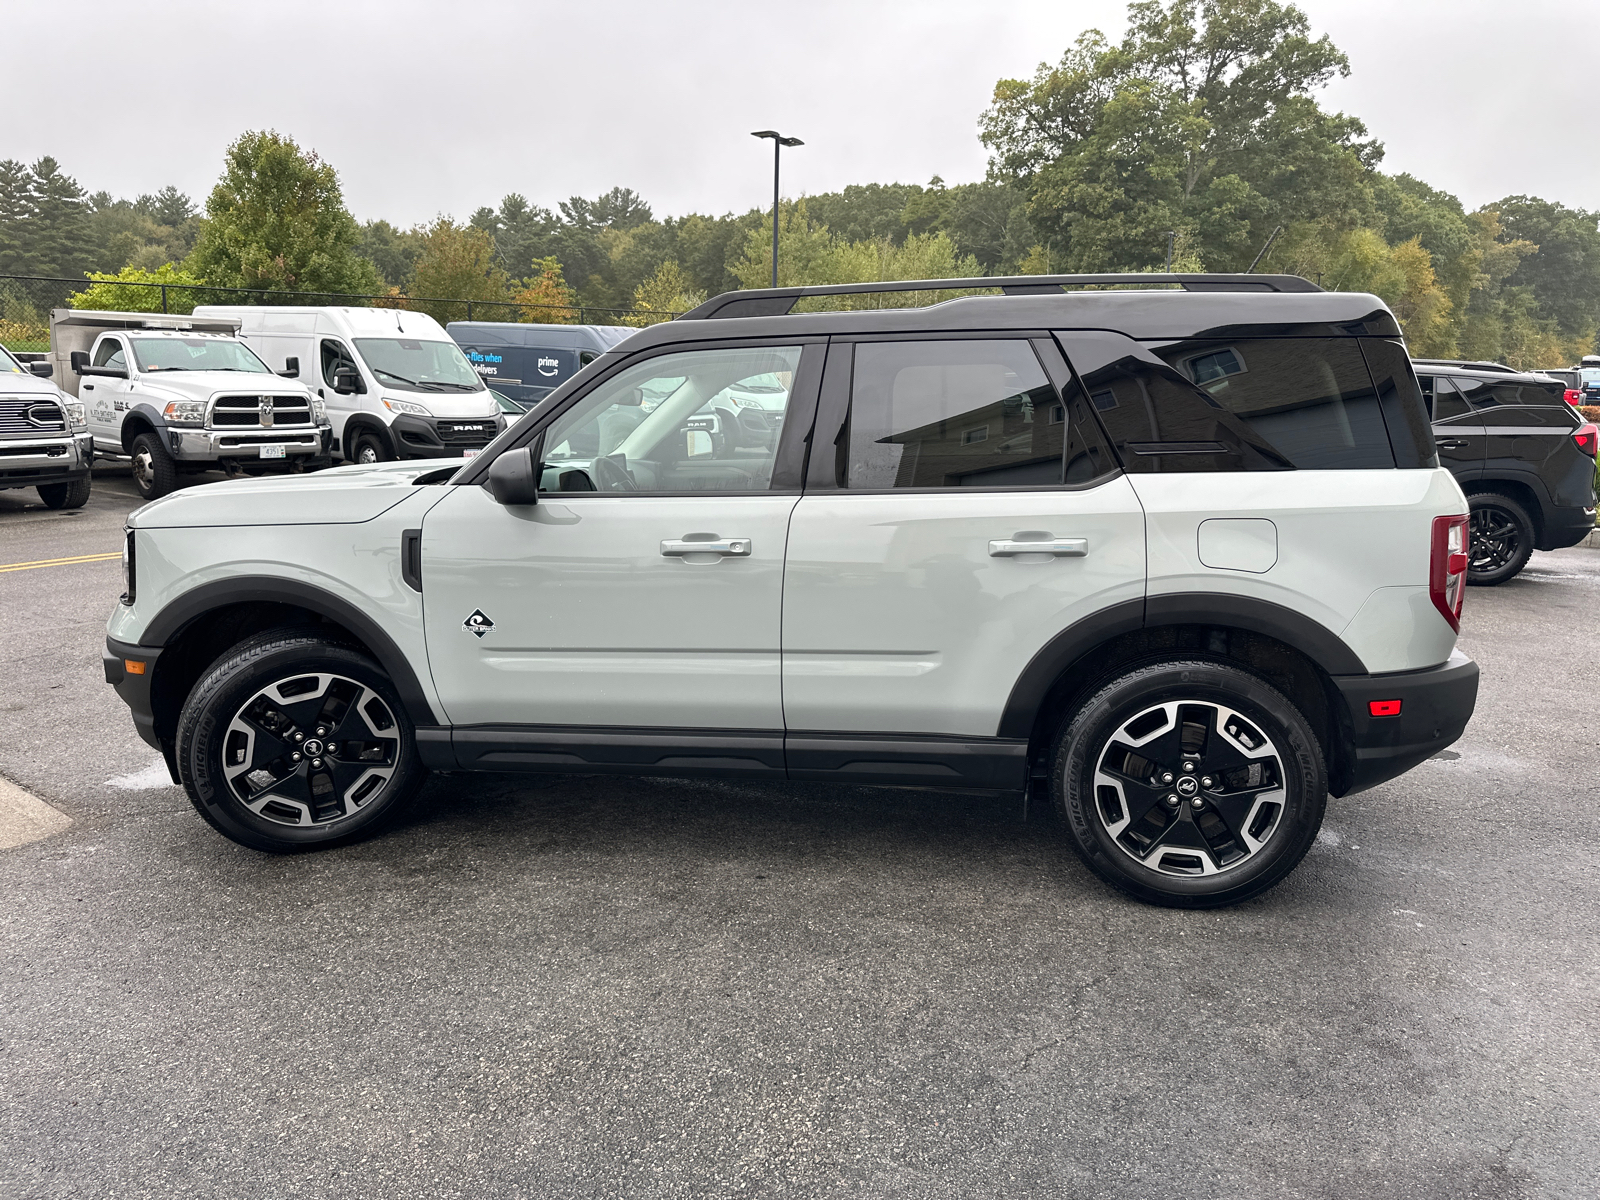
[[775, 302], [1469, 364]]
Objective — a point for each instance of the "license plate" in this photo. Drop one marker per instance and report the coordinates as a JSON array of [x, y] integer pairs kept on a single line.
[[274, 451], [469, 454]]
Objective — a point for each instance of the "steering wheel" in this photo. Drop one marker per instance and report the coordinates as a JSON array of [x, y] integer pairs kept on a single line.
[[612, 476]]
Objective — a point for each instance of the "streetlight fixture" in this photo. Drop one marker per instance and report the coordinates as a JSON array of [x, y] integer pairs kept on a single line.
[[778, 143]]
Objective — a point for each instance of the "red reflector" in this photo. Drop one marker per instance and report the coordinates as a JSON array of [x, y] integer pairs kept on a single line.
[[1588, 439], [1384, 708]]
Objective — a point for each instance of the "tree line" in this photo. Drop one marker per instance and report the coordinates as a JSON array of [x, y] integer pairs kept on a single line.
[[1198, 136]]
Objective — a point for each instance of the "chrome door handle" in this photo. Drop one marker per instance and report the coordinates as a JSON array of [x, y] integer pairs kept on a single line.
[[1450, 444], [727, 547], [1059, 547]]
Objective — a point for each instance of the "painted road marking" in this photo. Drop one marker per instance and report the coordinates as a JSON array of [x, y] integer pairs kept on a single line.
[[25, 818], [60, 562]]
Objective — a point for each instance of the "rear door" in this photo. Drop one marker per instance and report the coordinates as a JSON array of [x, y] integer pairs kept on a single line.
[[1527, 433], [960, 512], [1457, 430]]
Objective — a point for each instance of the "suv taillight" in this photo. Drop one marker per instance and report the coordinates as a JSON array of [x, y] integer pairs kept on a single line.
[[1447, 568], [1573, 397], [1588, 439]]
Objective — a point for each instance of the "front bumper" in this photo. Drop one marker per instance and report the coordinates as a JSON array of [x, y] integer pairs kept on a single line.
[[1435, 706], [442, 437], [134, 688], [1566, 527], [58, 458], [211, 445]]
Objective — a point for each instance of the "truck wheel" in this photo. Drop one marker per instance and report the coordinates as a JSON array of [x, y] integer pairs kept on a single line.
[[292, 742], [369, 448], [154, 472], [65, 495], [1502, 538], [1189, 784]]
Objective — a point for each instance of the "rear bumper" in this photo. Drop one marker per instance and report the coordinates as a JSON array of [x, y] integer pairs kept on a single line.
[[1566, 527], [1435, 706]]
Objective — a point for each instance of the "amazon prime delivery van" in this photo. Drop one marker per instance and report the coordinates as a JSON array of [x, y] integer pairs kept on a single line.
[[394, 383], [527, 362]]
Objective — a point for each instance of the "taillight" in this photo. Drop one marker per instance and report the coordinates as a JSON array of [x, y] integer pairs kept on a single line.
[[1588, 439], [1573, 397], [1447, 568]]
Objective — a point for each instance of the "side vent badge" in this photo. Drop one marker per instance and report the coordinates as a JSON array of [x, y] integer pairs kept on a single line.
[[478, 624]]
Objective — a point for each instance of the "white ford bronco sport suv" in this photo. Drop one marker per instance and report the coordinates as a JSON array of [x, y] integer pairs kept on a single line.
[[1182, 557]]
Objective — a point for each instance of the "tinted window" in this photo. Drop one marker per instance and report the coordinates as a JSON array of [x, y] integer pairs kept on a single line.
[[334, 356], [961, 414], [1447, 401], [1250, 404], [1404, 413]]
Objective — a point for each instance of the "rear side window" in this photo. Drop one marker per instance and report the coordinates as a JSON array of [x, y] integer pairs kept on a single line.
[[1482, 394], [963, 414], [1246, 404], [1444, 401], [1410, 434]]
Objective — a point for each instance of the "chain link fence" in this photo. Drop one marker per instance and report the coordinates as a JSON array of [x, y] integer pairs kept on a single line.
[[26, 301]]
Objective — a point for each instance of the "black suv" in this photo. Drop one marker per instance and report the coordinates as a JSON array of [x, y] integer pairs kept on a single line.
[[1522, 454]]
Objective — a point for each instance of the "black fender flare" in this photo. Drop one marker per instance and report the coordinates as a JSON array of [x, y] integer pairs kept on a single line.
[[1316, 641], [142, 413], [208, 597], [360, 423]]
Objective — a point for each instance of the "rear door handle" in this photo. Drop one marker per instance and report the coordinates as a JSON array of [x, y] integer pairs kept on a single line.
[[1450, 444], [727, 547], [1059, 547]]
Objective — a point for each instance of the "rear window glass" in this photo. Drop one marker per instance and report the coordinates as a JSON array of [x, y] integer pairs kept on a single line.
[[1482, 394], [973, 414], [1246, 404]]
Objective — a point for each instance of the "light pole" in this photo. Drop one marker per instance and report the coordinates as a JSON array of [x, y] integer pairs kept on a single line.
[[778, 143]]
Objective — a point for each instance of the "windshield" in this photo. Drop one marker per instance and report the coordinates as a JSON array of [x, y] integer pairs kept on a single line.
[[195, 354], [7, 363], [410, 365], [1590, 375]]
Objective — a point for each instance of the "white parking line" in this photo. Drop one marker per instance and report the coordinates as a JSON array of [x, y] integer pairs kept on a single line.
[[25, 818]]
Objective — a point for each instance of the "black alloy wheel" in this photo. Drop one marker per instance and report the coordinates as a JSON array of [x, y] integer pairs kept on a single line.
[[1190, 784], [292, 742], [1501, 539]]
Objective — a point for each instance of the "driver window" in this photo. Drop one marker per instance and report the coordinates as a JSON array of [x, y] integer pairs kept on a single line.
[[334, 356], [696, 421], [109, 354]]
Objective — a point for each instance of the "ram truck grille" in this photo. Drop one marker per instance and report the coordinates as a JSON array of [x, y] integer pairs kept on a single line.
[[30, 415], [477, 433], [260, 412]]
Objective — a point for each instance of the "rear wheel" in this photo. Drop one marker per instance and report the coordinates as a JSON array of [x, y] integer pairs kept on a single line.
[[65, 495], [154, 472], [291, 742], [1190, 784], [1502, 539]]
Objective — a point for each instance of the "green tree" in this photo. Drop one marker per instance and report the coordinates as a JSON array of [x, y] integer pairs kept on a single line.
[[1563, 271], [665, 294], [105, 293], [276, 220], [456, 262], [62, 242], [545, 297], [392, 251]]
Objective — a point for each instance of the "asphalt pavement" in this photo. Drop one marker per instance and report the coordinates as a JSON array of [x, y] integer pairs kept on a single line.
[[656, 988]]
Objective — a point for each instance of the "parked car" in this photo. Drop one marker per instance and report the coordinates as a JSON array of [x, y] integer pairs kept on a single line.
[[1524, 457], [394, 383], [1183, 560], [1589, 379], [44, 435], [528, 362], [172, 394]]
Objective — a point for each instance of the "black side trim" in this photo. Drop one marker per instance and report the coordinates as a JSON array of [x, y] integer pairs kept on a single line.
[[1435, 706], [983, 764], [134, 689], [588, 750], [1056, 655], [1316, 642], [265, 589], [411, 559]]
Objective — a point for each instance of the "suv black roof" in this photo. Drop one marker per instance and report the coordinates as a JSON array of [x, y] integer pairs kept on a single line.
[[1219, 306]]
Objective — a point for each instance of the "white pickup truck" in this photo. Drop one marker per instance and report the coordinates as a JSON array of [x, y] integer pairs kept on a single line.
[[174, 393]]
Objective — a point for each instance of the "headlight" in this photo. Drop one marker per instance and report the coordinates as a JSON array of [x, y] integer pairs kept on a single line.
[[319, 410], [746, 402], [76, 416], [185, 412], [406, 406]]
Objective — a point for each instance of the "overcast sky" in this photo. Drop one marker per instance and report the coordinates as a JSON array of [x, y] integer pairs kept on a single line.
[[429, 108]]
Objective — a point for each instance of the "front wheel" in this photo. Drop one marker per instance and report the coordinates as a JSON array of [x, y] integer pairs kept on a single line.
[[291, 742], [369, 448], [154, 472], [65, 495], [1190, 784], [1502, 539]]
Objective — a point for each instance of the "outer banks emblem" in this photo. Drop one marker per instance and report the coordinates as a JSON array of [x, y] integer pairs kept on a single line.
[[478, 623]]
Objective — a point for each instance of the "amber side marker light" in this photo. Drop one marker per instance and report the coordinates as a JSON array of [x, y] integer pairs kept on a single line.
[[1384, 708], [132, 667]]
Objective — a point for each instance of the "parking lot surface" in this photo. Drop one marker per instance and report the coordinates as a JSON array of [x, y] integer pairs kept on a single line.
[[651, 988]]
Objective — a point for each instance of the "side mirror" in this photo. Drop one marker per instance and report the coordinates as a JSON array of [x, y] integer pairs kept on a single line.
[[347, 381], [42, 369], [80, 360], [514, 477], [291, 368]]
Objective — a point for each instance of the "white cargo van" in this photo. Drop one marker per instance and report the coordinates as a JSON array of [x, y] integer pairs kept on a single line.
[[395, 384]]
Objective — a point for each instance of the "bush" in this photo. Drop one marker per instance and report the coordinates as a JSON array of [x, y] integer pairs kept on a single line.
[[107, 291]]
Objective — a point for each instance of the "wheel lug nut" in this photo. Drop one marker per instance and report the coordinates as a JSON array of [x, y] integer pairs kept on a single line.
[[1172, 801], [299, 737], [316, 762], [1188, 768], [1167, 778], [1197, 803], [333, 747], [295, 756], [1207, 782], [321, 732]]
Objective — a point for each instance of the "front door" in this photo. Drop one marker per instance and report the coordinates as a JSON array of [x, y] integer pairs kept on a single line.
[[644, 590], [971, 514]]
